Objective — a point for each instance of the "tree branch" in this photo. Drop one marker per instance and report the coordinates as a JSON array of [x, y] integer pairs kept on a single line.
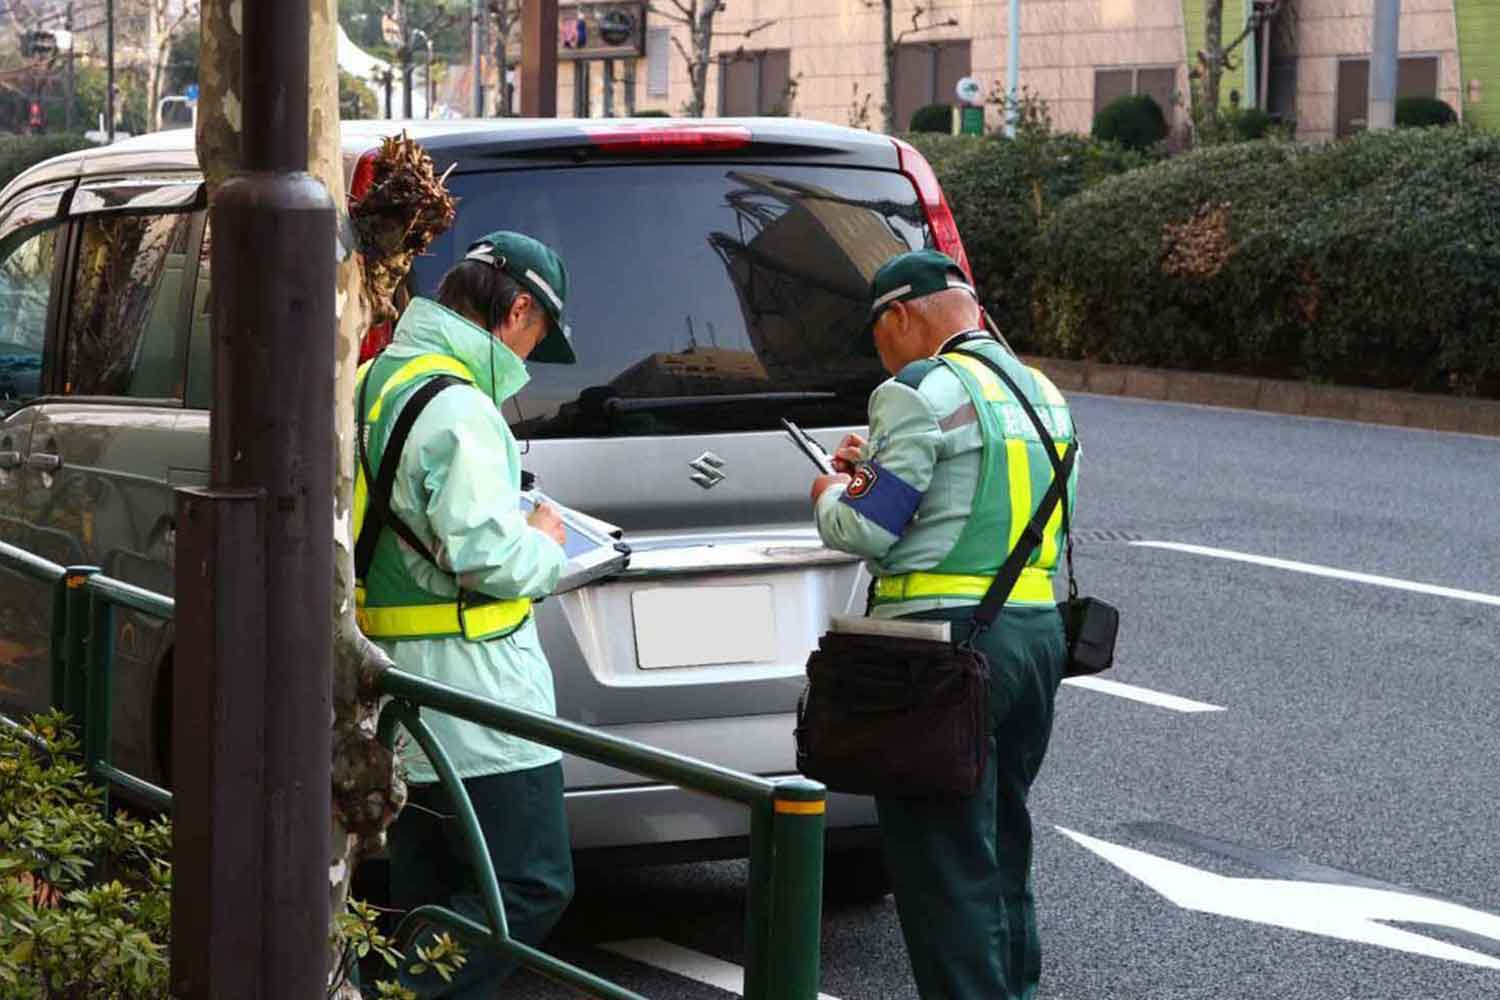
[[682, 50], [952, 22]]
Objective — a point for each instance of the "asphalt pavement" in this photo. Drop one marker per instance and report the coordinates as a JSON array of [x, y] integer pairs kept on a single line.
[[1294, 794]]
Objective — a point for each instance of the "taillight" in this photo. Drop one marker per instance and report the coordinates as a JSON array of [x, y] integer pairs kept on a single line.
[[939, 216], [377, 337], [679, 138]]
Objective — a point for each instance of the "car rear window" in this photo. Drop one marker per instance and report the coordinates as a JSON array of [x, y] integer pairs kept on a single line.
[[702, 298]]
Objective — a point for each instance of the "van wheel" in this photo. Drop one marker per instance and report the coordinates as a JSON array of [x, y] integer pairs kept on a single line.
[[162, 712], [856, 875]]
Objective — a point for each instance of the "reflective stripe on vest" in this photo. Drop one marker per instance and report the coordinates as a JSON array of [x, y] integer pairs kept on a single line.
[[1033, 587], [441, 617]]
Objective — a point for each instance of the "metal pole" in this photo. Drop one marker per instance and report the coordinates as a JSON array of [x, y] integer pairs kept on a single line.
[[1013, 68], [476, 54], [98, 710], [75, 655], [796, 890], [1383, 64], [109, 71], [539, 59], [266, 519], [70, 112]]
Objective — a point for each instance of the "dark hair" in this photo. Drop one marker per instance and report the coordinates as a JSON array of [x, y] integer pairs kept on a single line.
[[479, 291]]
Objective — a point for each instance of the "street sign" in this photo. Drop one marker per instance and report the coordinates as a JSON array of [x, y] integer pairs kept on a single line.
[[614, 30], [969, 90], [970, 121], [190, 92], [1348, 912]]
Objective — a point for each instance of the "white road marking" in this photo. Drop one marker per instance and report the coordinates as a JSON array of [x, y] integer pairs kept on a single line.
[[686, 963], [1350, 913], [1327, 571], [1146, 695]]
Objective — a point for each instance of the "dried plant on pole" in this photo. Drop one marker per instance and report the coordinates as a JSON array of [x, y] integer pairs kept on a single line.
[[405, 209]]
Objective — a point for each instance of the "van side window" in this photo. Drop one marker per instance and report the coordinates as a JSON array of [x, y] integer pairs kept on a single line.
[[25, 284], [123, 335], [200, 377]]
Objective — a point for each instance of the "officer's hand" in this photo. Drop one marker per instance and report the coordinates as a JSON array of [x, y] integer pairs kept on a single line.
[[824, 482], [546, 520], [850, 453]]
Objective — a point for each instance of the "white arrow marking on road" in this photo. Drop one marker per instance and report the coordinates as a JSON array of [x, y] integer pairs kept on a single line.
[[687, 963], [1352, 913], [1327, 571], [1146, 695]]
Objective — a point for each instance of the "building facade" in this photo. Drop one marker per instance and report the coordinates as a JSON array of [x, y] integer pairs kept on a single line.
[[824, 59]]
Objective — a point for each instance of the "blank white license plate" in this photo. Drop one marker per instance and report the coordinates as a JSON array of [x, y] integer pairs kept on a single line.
[[702, 626]]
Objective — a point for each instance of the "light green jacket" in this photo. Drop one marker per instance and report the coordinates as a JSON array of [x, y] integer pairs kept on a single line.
[[925, 450], [458, 487]]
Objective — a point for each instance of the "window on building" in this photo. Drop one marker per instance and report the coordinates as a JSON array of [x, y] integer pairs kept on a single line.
[[928, 73], [25, 284], [755, 83], [1416, 76], [124, 335], [1157, 82], [658, 61]]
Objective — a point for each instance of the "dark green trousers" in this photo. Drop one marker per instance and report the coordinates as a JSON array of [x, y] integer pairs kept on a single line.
[[525, 829], [961, 868]]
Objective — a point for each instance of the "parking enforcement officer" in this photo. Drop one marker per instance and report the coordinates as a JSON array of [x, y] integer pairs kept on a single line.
[[449, 568], [934, 500]]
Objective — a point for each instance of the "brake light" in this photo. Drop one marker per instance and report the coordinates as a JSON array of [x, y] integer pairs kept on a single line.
[[934, 204], [679, 138]]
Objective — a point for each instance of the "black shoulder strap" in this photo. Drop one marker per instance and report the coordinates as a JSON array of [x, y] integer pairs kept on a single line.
[[378, 514], [1062, 469]]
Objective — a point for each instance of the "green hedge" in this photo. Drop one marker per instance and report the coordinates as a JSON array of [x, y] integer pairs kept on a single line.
[[17, 152], [1002, 192], [1374, 261], [1421, 112], [1134, 121], [933, 118]]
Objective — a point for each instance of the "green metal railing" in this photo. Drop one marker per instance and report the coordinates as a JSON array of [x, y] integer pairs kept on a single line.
[[783, 911], [82, 657]]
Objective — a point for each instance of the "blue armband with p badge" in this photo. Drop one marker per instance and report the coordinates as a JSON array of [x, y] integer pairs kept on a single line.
[[879, 495]]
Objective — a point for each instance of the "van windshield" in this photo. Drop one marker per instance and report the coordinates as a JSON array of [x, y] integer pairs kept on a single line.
[[702, 298]]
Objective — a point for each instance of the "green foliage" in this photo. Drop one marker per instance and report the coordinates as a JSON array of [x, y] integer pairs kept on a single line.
[[182, 62], [1249, 124], [356, 100], [85, 900], [1370, 262], [1421, 112], [933, 118], [1003, 192], [17, 152], [653, 113], [1135, 121]]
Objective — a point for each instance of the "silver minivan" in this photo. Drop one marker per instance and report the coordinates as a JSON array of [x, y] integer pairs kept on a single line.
[[718, 275]]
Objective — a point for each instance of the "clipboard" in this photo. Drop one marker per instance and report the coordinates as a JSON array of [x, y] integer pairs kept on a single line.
[[809, 446]]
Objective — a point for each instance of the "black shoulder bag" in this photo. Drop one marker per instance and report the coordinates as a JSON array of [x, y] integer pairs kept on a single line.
[[1090, 624], [910, 717]]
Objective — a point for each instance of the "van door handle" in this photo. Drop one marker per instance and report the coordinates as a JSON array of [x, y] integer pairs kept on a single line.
[[46, 461], [10, 459]]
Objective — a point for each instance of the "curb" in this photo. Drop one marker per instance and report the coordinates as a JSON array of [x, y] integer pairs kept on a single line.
[[1301, 399]]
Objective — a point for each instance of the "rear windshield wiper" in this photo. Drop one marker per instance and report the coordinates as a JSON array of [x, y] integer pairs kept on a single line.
[[641, 404]]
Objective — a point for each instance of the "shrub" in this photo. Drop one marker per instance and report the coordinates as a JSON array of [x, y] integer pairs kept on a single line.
[[1002, 192], [1135, 121], [18, 152], [1421, 112], [933, 118], [1249, 124], [1373, 262], [653, 113]]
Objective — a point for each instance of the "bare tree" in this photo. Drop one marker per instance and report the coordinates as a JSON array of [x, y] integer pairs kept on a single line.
[[892, 41], [697, 16], [164, 19], [505, 17], [1217, 57]]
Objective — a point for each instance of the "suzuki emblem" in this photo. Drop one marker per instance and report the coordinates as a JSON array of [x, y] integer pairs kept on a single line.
[[706, 470]]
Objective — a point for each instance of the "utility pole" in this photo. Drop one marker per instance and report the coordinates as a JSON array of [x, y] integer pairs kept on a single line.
[[251, 717], [1013, 69], [109, 71], [539, 59], [1384, 63], [477, 16], [70, 111]]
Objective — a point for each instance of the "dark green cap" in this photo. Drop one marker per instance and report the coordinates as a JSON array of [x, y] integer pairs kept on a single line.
[[913, 275], [541, 272]]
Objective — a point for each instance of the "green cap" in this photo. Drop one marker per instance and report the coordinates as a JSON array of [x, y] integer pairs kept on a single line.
[[911, 275], [541, 272]]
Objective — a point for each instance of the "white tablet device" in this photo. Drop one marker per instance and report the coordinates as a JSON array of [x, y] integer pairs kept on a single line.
[[593, 546]]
